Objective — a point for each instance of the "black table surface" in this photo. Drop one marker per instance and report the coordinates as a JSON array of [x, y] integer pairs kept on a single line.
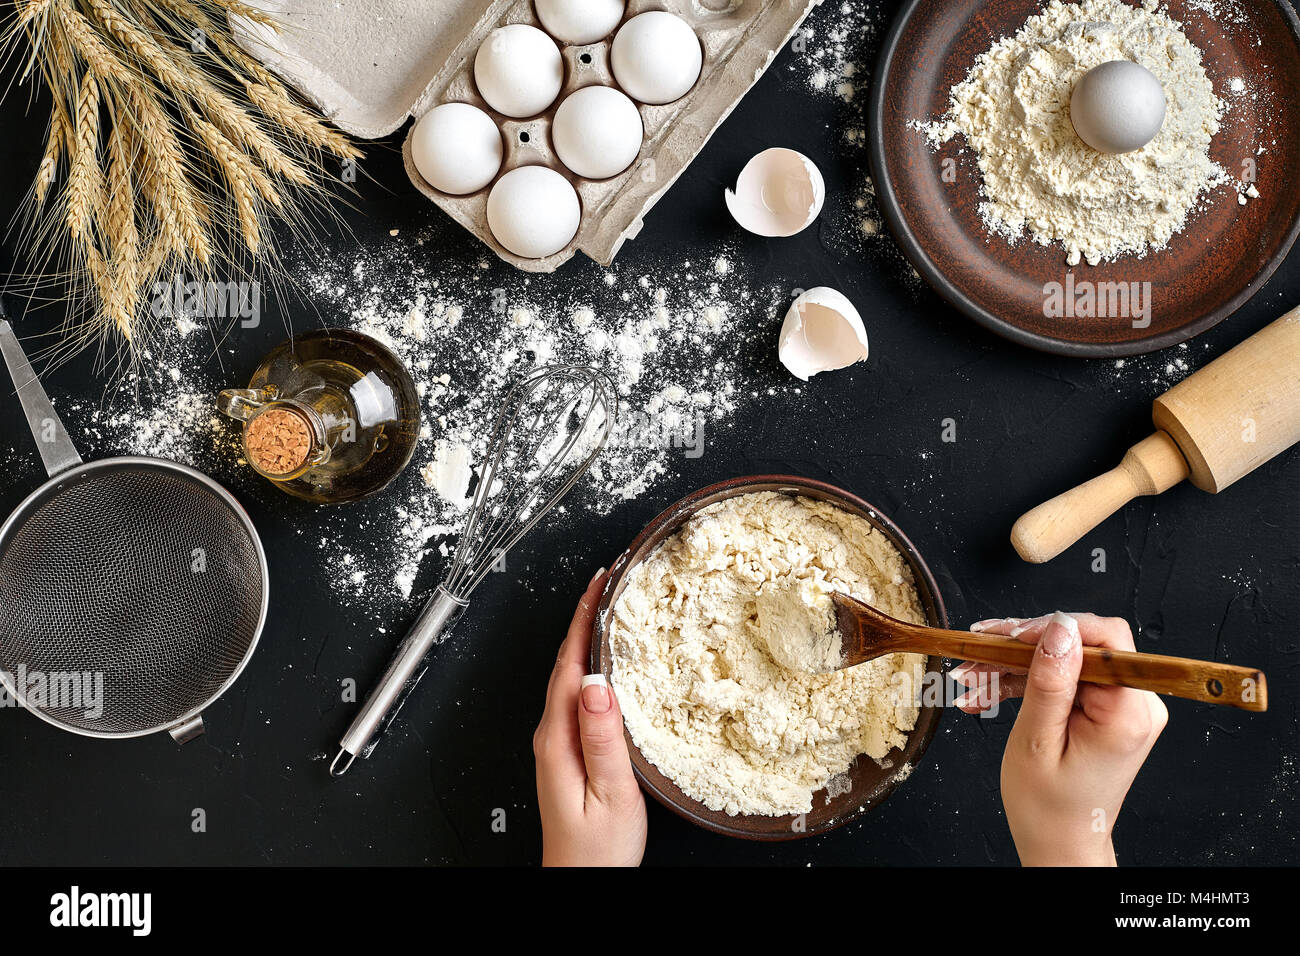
[[1197, 575]]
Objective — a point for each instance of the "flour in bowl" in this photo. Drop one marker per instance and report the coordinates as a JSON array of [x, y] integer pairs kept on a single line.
[[703, 698]]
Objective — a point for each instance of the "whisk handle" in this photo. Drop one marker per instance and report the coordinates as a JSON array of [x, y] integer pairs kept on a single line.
[[404, 672]]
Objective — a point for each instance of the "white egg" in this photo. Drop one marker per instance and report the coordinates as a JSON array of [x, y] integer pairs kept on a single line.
[[656, 57], [518, 70], [580, 21], [456, 148], [533, 211], [597, 132], [822, 332], [1118, 107]]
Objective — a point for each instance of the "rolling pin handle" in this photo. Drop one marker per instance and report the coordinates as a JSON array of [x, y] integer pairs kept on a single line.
[[1152, 466]]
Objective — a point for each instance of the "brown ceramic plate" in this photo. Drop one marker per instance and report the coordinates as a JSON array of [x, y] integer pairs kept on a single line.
[[1224, 254], [870, 782]]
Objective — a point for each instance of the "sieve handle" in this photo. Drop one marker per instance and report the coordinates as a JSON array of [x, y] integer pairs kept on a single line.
[[404, 672], [56, 448]]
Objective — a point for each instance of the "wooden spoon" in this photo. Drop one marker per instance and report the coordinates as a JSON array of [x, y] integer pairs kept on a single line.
[[867, 634]]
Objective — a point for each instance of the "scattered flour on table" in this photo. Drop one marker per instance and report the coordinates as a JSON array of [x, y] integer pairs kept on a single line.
[[830, 47], [1155, 372], [685, 345], [1040, 179], [702, 696]]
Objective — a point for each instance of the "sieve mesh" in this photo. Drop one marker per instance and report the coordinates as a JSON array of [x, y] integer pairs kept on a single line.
[[136, 571]]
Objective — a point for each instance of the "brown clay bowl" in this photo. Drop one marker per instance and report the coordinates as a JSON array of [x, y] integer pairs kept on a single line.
[[1225, 253], [870, 782]]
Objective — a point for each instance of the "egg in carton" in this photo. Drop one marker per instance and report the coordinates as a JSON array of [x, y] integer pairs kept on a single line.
[[371, 64]]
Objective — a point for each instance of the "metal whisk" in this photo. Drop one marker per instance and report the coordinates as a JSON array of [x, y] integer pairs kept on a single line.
[[549, 430]]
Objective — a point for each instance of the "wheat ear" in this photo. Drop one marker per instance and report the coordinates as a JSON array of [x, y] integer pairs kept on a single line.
[[85, 182], [30, 10], [49, 167], [183, 77], [121, 229], [250, 13], [241, 176], [177, 207]]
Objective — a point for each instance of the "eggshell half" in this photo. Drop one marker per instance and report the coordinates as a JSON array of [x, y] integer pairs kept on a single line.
[[822, 332], [779, 193]]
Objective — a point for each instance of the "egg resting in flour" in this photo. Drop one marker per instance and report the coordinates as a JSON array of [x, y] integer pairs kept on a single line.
[[597, 132], [579, 21], [456, 148], [533, 211], [518, 70], [656, 57], [1118, 107]]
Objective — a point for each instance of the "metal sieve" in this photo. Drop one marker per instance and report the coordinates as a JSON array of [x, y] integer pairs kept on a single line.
[[132, 590]]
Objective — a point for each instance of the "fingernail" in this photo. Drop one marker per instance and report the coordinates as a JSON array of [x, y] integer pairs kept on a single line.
[[595, 577], [595, 694], [1059, 641]]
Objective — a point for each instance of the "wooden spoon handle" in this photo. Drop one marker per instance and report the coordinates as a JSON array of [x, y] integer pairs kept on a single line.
[[1207, 681]]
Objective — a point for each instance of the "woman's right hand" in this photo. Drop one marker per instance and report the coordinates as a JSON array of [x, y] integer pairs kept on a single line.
[[1075, 748], [593, 813]]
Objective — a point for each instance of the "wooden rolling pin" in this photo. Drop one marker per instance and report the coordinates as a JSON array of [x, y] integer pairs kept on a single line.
[[1213, 427]]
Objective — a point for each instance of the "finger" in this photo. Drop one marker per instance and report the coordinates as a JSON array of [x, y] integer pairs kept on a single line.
[[1094, 631], [604, 749], [1120, 708], [1050, 688], [997, 625], [555, 744], [970, 674], [575, 652], [1131, 711], [1112, 632], [986, 686], [982, 700]]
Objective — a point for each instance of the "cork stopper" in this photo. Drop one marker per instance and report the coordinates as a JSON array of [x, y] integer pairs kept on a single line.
[[277, 442]]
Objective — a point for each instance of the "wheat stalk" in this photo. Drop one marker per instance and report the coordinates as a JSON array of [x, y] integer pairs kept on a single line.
[[162, 156]]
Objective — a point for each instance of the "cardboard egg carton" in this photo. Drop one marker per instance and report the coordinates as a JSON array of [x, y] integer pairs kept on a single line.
[[369, 65]]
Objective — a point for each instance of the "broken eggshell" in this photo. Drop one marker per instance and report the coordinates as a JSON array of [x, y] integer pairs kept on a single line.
[[822, 332], [778, 193]]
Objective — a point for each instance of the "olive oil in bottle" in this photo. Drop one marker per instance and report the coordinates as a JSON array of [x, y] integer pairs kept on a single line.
[[329, 416]]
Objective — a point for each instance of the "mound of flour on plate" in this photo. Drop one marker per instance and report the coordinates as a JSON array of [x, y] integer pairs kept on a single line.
[[702, 696], [1039, 178]]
